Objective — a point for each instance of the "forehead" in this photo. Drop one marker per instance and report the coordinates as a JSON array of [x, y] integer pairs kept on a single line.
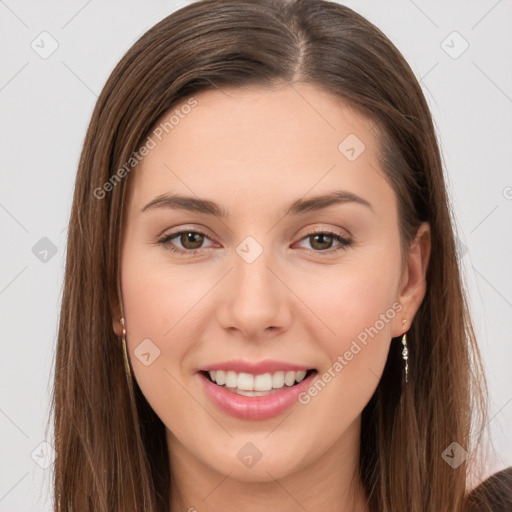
[[265, 122], [253, 142]]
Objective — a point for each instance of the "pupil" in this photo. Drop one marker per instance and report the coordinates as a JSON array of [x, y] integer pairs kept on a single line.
[[189, 238], [322, 236]]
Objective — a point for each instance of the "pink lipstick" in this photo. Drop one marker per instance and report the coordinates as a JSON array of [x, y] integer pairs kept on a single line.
[[255, 391]]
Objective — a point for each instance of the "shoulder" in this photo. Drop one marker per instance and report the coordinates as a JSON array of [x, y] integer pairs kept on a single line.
[[493, 495]]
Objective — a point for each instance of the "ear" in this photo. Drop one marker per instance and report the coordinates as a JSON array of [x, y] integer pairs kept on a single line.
[[116, 317], [413, 285]]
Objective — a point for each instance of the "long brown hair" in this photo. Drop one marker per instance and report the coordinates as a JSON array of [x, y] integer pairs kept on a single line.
[[112, 453]]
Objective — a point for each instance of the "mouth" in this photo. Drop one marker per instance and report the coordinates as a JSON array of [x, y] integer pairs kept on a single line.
[[261, 396], [250, 385]]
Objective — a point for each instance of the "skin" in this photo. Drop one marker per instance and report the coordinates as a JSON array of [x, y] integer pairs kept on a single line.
[[254, 152]]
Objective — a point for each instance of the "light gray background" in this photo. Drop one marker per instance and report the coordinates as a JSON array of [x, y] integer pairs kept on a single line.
[[45, 107]]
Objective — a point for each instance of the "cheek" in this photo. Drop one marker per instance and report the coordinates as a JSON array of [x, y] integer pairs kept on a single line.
[[359, 314], [159, 299], [157, 304], [355, 305], [352, 296]]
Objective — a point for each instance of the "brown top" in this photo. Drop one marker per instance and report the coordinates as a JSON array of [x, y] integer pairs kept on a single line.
[[493, 494]]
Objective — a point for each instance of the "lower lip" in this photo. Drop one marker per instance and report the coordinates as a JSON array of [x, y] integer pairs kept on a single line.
[[254, 407]]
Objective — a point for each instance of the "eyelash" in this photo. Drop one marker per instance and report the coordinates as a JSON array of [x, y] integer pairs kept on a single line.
[[344, 242]]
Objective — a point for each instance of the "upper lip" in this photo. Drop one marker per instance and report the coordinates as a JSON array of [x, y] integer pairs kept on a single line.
[[256, 368]]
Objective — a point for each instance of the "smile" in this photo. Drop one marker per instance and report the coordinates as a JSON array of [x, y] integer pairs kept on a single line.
[[255, 396], [256, 385]]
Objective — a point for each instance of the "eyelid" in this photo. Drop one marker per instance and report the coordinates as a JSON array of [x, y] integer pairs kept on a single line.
[[337, 231], [195, 228]]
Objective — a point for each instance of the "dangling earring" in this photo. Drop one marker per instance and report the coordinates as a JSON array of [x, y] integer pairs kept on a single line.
[[405, 351], [125, 354]]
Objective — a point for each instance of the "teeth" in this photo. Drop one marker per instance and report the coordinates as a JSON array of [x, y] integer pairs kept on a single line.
[[278, 380], [264, 382], [231, 380], [289, 378], [245, 382]]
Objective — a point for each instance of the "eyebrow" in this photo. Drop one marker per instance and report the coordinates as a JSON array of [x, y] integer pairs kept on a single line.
[[194, 204]]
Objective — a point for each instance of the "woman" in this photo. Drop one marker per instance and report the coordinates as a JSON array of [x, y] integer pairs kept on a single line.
[[262, 306]]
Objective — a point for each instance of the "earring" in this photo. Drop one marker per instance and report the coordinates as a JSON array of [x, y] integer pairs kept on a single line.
[[405, 351], [125, 354]]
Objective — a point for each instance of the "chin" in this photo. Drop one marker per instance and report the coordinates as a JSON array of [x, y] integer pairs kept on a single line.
[[252, 464]]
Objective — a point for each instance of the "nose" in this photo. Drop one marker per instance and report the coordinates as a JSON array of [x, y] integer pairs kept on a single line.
[[255, 302]]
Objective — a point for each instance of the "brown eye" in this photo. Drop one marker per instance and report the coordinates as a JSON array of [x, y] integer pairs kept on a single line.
[[322, 241], [184, 242], [191, 240]]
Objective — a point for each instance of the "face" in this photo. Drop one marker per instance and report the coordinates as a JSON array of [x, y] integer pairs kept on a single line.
[[279, 282]]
